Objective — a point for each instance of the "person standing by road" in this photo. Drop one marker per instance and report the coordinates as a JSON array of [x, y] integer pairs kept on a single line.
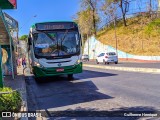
[[19, 62], [24, 62]]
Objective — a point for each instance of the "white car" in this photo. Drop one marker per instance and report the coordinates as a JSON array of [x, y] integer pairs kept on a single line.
[[107, 58], [85, 57]]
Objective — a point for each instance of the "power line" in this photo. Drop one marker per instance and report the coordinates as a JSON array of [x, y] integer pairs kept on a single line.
[[28, 21]]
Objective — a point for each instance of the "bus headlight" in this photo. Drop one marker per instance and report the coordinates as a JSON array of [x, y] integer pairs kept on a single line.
[[78, 61], [38, 65]]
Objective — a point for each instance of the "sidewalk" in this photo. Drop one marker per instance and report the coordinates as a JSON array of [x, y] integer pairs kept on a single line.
[[18, 84]]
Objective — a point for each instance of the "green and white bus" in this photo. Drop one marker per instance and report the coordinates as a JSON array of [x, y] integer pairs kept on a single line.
[[55, 49]]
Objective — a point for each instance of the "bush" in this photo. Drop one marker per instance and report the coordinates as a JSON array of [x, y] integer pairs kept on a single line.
[[10, 102], [153, 27]]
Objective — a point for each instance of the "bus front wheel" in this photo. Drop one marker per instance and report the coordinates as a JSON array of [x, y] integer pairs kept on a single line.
[[70, 77], [38, 79]]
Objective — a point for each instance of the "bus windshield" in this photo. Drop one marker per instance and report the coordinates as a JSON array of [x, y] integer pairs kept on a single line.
[[54, 44]]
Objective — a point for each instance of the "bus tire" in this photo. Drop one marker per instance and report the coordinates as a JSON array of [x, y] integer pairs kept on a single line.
[[70, 77], [97, 61], [104, 62]]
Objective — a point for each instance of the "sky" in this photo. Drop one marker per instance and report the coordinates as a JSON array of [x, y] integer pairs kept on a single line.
[[29, 12]]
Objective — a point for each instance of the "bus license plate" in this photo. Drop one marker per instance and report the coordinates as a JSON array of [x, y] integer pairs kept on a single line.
[[60, 70]]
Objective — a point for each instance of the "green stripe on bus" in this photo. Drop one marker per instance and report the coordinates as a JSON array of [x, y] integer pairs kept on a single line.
[[44, 72]]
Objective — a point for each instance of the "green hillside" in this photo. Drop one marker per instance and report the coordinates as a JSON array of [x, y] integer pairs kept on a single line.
[[140, 37]]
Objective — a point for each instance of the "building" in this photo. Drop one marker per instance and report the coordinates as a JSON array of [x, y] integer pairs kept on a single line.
[[6, 40]]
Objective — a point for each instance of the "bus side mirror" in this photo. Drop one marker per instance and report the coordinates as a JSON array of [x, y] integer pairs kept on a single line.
[[29, 41], [81, 39]]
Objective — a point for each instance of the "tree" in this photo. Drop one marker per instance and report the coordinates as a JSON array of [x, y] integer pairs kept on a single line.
[[123, 5], [109, 10], [150, 9], [92, 5], [24, 37], [84, 20]]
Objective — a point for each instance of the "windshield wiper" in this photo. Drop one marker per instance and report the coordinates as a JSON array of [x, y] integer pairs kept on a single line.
[[65, 34]]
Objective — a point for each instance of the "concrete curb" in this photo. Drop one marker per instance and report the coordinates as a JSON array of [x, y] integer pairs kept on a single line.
[[24, 107], [132, 60], [129, 69]]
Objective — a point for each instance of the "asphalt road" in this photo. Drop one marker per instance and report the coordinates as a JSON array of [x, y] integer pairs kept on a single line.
[[96, 90], [129, 64]]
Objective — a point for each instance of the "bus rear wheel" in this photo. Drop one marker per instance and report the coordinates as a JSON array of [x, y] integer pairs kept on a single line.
[[70, 77]]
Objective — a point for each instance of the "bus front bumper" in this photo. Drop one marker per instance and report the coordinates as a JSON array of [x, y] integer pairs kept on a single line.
[[46, 72]]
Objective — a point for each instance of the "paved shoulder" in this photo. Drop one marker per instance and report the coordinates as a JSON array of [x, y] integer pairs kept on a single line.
[[130, 64]]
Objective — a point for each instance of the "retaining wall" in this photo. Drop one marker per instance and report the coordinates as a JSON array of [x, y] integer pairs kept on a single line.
[[96, 47]]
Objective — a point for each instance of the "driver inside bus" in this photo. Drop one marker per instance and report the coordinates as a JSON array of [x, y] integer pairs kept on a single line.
[[43, 44]]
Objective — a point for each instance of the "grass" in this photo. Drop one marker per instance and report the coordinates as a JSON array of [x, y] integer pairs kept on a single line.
[[140, 37]]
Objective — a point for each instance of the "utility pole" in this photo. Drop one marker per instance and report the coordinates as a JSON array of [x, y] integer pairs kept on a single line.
[[115, 33], [88, 46]]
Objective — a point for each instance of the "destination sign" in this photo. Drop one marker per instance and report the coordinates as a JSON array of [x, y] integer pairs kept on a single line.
[[55, 25]]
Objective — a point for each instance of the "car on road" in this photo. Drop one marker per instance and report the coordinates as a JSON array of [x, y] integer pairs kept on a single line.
[[106, 58], [85, 57]]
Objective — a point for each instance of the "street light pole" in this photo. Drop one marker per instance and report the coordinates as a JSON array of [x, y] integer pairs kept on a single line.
[[28, 21]]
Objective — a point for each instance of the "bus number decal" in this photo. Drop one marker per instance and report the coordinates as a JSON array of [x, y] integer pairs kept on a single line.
[[71, 50]]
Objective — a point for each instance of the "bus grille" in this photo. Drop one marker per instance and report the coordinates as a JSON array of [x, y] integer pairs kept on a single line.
[[53, 71]]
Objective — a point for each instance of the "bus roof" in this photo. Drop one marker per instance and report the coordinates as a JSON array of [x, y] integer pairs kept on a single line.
[[33, 26]]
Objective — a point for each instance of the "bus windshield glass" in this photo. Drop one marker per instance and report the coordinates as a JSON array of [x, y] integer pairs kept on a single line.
[[54, 44]]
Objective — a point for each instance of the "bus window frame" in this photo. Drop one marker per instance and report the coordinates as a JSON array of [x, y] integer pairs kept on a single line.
[[56, 57]]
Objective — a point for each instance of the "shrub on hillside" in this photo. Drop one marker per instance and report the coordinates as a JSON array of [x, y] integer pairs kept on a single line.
[[10, 101]]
